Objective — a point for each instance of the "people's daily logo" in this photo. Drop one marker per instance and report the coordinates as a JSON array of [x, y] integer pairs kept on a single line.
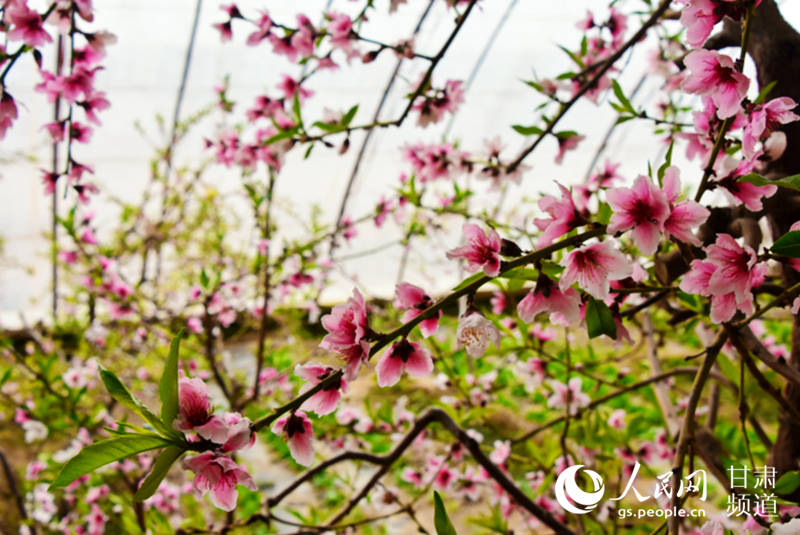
[[574, 499]]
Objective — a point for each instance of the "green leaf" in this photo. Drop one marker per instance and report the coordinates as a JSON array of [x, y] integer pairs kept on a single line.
[[663, 169], [788, 244], [440, 519], [762, 95], [296, 108], [551, 269], [566, 134], [102, 453], [168, 386], [787, 483], [348, 117], [328, 127], [469, 280], [521, 273], [574, 57], [280, 136], [204, 279], [599, 320], [622, 98], [121, 393], [161, 466], [790, 182], [527, 130], [604, 213]]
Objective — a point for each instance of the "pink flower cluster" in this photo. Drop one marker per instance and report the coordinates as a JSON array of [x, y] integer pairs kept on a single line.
[[563, 306], [593, 266], [348, 333], [700, 16], [326, 400], [564, 213], [728, 275], [215, 471], [414, 301], [403, 356], [437, 161], [648, 210], [598, 48], [77, 87], [300, 42], [482, 250], [432, 104], [296, 429]]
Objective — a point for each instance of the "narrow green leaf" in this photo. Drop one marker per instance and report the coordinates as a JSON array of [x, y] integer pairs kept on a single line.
[[566, 134], [551, 269], [469, 280], [574, 57], [280, 136], [787, 483], [521, 273], [348, 117], [204, 279], [622, 98], [121, 393], [599, 320], [790, 182], [788, 244], [161, 466], [102, 453], [762, 95], [667, 162], [168, 386], [604, 213], [296, 108], [328, 127], [440, 519], [526, 130]]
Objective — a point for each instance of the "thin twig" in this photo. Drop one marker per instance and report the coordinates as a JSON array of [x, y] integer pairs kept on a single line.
[[686, 436], [609, 62]]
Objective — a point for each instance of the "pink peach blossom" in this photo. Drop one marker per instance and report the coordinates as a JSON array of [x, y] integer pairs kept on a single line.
[[563, 306], [713, 74], [347, 330], [296, 429], [325, 401], [26, 25], [475, 333], [593, 266], [617, 419], [567, 143], [414, 301], [403, 356], [684, 216], [194, 404], [8, 113], [642, 208], [568, 395], [564, 216], [736, 267], [727, 276], [219, 475], [763, 119], [699, 17], [482, 250]]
